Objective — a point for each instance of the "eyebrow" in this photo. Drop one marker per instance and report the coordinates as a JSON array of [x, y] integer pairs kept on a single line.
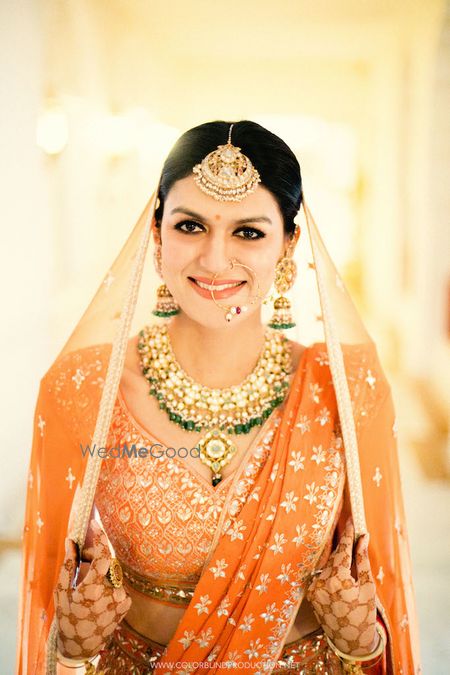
[[241, 221]]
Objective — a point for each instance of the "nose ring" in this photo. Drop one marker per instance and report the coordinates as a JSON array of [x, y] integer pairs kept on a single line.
[[233, 310]]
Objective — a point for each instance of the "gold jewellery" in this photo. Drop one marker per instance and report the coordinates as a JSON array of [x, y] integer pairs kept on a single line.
[[285, 275], [353, 664], [221, 412], [233, 310], [226, 173], [115, 573], [165, 303]]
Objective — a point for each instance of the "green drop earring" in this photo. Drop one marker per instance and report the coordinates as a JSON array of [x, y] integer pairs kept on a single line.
[[165, 303]]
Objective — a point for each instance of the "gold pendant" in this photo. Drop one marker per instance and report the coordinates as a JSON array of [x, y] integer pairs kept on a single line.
[[216, 450]]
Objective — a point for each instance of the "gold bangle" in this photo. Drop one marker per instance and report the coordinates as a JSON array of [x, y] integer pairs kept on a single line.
[[350, 658], [88, 665]]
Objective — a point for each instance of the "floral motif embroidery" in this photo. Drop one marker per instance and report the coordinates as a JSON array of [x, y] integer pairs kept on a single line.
[[297, 461], [304, 425], [318, 455]]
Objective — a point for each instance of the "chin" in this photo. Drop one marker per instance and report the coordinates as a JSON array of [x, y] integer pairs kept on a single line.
[[215, 320]]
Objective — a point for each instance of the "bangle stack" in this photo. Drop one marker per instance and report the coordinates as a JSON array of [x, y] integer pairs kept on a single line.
[[352, 664]]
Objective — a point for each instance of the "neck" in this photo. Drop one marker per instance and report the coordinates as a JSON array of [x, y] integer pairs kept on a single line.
[[217, 357]]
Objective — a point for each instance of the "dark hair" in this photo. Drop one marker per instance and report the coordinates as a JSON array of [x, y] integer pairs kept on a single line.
[[275, 161]]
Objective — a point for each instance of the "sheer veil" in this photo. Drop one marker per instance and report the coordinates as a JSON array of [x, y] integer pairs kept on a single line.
[[324, 313]]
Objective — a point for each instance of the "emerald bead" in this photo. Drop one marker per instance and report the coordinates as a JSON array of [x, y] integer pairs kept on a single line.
[[190, 424]]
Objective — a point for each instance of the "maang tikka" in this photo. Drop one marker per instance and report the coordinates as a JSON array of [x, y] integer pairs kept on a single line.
[[226, 173], [285, 275]]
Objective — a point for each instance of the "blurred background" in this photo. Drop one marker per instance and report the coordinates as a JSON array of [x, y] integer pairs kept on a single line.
[[93, 93]]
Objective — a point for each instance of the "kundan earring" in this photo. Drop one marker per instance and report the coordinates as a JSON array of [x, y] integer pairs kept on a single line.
[[285, 275], [165, 304]]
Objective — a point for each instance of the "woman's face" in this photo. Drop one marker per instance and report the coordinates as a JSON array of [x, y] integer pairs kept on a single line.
[[199, 236]]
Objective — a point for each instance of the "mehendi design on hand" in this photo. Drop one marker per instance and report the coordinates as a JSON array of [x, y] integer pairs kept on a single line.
[[88, 613], [345, 606]]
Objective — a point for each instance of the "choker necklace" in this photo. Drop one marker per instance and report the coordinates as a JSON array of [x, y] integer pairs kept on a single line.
[[221, 412]]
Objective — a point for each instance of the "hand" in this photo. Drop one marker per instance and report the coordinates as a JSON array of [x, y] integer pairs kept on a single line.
[[345, 606], [88, 613]]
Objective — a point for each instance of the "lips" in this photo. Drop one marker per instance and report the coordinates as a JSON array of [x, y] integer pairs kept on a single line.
[[222, 288], [216, 282]]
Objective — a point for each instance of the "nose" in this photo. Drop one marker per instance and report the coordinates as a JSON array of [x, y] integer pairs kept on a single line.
[[216, 253]]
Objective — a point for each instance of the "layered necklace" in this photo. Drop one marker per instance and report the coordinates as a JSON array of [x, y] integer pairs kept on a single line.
[[219, 412]]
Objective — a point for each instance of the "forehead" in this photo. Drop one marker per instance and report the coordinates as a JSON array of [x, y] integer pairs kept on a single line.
[[186, 193]]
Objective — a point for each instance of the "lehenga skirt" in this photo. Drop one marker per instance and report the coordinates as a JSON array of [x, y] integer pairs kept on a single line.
[[130, 653]]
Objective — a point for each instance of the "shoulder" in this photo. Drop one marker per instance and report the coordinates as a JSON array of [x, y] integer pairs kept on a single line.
[[297, 351], [132, 360], [86, 365], [313, 357]]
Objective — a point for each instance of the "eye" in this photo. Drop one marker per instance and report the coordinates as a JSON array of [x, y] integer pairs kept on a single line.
[[253, 232], [191, 224]]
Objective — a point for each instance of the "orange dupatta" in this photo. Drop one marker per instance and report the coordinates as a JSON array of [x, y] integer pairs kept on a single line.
[[255, 579]]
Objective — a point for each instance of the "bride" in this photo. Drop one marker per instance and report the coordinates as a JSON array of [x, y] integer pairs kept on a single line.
[[227, 488]]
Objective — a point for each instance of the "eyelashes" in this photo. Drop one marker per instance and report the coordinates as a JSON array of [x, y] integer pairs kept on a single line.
[[191, 224]]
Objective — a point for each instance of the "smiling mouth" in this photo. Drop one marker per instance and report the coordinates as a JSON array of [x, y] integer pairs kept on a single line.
[[216, 287]]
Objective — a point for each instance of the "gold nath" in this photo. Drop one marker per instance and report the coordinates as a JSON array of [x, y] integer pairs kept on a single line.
[[226, 174]]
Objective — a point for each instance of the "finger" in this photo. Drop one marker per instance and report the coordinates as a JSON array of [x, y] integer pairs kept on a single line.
[[101, 556], [99, 541], [363, 569], [119, 594], [82, 573], [342, 556], [67, 571], [87, 554]]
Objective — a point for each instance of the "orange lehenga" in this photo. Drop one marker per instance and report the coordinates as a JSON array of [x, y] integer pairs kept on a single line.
[[267, 526]]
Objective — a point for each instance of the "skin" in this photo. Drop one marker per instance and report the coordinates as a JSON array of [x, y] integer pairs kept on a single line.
[[200, 336]]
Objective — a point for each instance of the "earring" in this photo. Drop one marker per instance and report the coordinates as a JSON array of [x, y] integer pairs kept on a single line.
[[285, 275], [165, 304]]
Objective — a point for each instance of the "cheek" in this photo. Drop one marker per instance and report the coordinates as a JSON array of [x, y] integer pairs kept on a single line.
[[263, 261], [176, 254]]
